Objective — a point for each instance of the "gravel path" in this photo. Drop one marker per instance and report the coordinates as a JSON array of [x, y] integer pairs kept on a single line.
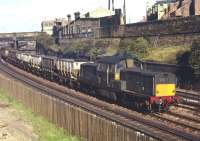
[[13, 127]]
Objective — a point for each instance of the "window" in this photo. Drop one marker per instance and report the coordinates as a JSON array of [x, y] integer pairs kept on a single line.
[[130, 63], [102, 67], [112, 68]]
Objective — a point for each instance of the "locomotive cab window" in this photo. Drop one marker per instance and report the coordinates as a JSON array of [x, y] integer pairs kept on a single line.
[[129, 63], [112, 68], [121, 65], [102, 67]]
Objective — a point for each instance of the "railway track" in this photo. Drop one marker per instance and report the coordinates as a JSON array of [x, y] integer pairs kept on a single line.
[[178, 120], [114, 113], [184, 116], [189, 98], [189, 107]]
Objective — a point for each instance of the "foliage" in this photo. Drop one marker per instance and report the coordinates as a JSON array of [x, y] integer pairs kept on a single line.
[[46, 130], [94, 52], [195, 57], [195, 54], [111, 51], [45, 40], [139, 47], [76, 50], [55, 47], [166, 54]]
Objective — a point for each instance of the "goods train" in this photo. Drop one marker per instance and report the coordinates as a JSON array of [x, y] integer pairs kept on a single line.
[[119, 78]]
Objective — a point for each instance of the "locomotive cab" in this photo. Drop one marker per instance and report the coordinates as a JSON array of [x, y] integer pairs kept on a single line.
[[165, 84], [109, 68]]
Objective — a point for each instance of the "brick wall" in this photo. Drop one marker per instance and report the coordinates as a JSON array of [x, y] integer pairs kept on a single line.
[[163, 27], [197, 7]]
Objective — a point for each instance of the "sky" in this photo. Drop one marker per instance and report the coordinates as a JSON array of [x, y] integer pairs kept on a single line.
[[27, 15]]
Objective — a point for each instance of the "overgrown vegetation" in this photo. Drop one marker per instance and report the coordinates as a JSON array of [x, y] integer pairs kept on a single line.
[[166, 54], [46, 130], [195, 54], [94, 52], [195, 57], [138, 46], [78, 49], [45, 40]]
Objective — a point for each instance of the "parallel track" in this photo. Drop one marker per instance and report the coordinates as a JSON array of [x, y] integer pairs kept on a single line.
[[190, 98], [179, 120], [183, 116], [189, 107], [108, 111]]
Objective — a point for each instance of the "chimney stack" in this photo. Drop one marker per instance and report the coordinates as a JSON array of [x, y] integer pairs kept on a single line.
[[124, 10], [118, 12], [113, 5], [108, 4], [77, 15], [69, 17]]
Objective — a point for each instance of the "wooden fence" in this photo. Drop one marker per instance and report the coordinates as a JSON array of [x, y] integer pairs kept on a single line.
[[73, 119]]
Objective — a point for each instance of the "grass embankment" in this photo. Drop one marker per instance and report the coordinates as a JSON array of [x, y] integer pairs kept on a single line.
[[44, 129], [166, 54]]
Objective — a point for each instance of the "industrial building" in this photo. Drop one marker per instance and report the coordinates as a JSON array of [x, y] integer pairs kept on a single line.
[[92, 24], [166, 9], [48, 25], [182, 8]]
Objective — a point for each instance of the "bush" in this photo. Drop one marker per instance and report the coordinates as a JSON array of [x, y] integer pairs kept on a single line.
[[195, 54], [94, 52], [139, 47], [195, 57], [45, 40]]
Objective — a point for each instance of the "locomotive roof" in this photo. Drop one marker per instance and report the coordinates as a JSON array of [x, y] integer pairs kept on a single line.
[[89, 64], [145, 72], [111, 59]]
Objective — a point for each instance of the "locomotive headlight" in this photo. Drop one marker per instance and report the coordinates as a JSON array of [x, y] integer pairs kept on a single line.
[[117, 76]]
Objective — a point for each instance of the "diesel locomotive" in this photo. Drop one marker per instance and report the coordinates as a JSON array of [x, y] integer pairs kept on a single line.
[[119, 78]]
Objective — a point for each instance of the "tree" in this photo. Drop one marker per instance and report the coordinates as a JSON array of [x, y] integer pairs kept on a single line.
[[195, 57], [94, 52], [139, 47], [195, 54], [45, 40]]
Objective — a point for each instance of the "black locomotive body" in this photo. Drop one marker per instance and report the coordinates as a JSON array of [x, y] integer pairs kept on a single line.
[[119, 78]]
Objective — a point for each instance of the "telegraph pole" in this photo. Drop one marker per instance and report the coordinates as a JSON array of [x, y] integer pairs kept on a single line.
[[113, 5], [124, 9], [108, 4]]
